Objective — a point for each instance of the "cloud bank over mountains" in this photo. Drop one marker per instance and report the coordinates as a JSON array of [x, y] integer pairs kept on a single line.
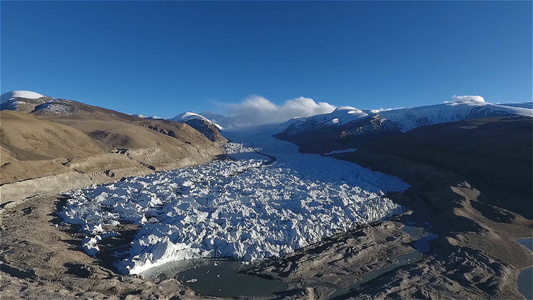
[[467, 99], [256, 110]]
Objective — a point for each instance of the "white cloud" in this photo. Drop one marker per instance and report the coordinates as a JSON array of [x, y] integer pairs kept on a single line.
[[468, 99], [256, 110]]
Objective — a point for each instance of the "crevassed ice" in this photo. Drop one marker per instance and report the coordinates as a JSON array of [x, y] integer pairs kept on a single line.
[[248, 207]]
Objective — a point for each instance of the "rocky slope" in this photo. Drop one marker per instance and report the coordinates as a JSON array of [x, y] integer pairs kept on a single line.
[[321, 139], [206, 126], [40, 259]]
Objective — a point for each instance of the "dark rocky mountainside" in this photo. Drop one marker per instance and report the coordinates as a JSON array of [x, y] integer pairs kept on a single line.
[[207, 128], [348, 127], [322, 139], [496, 153]]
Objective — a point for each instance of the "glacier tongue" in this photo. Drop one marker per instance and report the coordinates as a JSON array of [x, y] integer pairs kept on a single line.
[[247, 207]]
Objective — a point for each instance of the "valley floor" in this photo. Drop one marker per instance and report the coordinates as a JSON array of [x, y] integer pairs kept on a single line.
[[474, 257]]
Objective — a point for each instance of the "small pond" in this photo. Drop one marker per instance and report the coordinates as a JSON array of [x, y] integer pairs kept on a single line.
[[216, 277]]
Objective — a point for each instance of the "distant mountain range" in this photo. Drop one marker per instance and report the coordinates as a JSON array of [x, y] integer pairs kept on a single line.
[[346, 126]]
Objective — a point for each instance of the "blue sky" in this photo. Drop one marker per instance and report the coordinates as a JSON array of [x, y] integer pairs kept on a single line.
[[163, 58]]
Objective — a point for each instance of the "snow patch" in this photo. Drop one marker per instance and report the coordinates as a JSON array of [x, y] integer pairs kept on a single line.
[[148, 117], [349, 108], [184, 117], [59, 107], [90, 245], [189, 116]]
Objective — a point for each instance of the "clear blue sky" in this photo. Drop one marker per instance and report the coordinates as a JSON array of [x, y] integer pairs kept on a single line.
[[163, 58]]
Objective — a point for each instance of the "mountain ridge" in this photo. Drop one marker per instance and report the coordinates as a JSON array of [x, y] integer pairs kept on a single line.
[[346, 127], [46, 136]]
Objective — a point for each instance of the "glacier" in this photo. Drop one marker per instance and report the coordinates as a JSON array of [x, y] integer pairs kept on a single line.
[[264, 199]]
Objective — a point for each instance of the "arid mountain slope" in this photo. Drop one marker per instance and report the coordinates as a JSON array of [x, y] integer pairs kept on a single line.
[[207, 128], [32, 147], [61, 136], [26, 137]]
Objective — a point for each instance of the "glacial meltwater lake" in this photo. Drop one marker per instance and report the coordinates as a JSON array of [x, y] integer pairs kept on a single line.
[[218, 277]]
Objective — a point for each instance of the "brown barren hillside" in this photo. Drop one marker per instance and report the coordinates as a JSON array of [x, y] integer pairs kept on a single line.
[[31, 147], [26, 137], [91, 143]]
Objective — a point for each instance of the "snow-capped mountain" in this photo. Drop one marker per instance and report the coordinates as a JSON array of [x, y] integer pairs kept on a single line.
[[22, 100], [222, 122], [209, 128], [409, 118], [186, 116], [315, 137], [50, 108], [347, 126], [340, 116], [13, 95]]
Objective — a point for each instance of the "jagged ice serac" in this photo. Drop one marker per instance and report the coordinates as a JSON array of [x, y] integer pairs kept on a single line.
[[248, 207]]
